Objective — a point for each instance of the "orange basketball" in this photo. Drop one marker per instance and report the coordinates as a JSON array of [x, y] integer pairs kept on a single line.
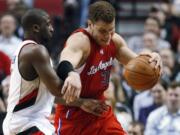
[[140, 74]]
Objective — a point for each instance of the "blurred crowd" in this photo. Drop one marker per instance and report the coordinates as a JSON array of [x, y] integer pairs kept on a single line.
[[152, 112]]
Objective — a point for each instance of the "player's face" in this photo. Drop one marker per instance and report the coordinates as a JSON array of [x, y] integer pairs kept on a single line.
[[46, 28], [102, 32]]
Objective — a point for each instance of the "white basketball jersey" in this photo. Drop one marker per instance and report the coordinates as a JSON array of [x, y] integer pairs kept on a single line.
[[29, 102]]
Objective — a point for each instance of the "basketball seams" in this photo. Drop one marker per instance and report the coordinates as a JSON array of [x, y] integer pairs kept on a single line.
[[137, 72], [145, 85], [142, 60], [140, 76]]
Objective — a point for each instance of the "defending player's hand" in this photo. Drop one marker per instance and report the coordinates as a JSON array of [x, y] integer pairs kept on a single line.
[[93, 106], [155, 57], [72, 87]]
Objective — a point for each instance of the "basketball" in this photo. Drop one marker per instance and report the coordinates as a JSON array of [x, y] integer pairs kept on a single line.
[[140, 74]]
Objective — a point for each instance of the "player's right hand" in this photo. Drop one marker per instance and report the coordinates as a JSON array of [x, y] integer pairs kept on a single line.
[[72, 87], [93, 106]]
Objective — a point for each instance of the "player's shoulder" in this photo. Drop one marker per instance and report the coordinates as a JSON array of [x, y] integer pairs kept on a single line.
[[78, 39], [79, 35], [118, 40], [34, 51]]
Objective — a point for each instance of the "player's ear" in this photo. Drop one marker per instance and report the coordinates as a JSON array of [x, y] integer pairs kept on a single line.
[[36, 28], [89, 22]]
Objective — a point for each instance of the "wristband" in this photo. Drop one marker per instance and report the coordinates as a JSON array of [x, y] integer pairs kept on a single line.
[[63, 69]]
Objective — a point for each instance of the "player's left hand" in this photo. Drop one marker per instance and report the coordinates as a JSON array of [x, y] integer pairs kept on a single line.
[[72, 87], [155, 57]]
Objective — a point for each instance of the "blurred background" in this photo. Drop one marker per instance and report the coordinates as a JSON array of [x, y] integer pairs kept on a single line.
[[146, 25]]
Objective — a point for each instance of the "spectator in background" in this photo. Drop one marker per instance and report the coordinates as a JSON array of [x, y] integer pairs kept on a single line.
[[159, 94], [141, 100], [4, 66], [176, 7], [8, 41], [178, 52], [150, 41], [165, 120], [177, 78], [63, 28], [110, 95], [170, 69], [157, 12], [172, 23], [11, 4], [135, 128], [4, 72], [123, 114], [153, 25], [17, 9]]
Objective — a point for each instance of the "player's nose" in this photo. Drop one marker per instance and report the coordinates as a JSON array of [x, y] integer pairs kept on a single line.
[[51, 29]]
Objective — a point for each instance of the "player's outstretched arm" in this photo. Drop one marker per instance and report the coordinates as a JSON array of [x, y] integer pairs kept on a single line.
[[124, 54], [72, 56]]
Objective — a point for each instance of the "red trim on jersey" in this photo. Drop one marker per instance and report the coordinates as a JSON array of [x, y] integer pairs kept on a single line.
[[29, 96], [27, 101]]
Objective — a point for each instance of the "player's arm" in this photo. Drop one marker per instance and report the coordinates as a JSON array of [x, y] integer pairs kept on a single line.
[[75, 49], [93, 106], [71, 58], [124, 54], [38, 57]]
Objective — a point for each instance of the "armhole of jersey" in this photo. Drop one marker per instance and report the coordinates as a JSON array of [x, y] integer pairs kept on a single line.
[[32, 43]]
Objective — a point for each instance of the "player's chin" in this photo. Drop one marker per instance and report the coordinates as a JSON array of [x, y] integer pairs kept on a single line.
[[49, 37], [50, 34], [104, 43]]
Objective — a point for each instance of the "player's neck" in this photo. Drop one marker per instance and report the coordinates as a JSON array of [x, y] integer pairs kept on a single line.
[[33, 37]]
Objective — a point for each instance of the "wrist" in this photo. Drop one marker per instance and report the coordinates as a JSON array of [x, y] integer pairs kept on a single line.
[[63, 69], [71, 73], [79, 102]]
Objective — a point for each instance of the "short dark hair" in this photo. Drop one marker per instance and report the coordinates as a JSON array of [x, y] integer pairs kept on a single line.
[[155, 19], [101, 10], [31, 17], [137, 123], [174, 84]]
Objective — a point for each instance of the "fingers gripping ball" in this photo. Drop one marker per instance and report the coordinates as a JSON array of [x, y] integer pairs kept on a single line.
[[140, 74]]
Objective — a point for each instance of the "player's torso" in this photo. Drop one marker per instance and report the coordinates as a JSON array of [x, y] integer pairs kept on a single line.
[[95, 72], [27, 96], [29, 102]]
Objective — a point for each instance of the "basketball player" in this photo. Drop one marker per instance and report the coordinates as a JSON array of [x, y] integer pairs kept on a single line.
[[92, 51], [34, 82]]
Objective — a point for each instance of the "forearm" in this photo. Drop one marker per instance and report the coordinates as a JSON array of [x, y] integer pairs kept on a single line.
[[76, 103]]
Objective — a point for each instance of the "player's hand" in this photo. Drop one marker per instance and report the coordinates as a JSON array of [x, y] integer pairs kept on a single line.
[[93, 106], [155, 57], [72, 87]]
